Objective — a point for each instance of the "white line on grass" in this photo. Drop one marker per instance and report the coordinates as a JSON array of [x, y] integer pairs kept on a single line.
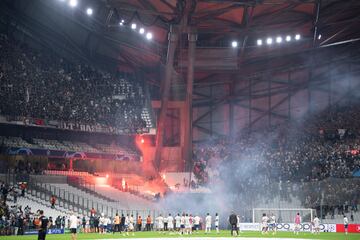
[[209, 238]]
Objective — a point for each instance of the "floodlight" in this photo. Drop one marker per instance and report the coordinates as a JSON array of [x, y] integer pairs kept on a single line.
[[73, 3], [149, 35], [89, 11]]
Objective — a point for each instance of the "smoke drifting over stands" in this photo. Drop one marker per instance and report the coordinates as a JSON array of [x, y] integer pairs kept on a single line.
[[313, 160]]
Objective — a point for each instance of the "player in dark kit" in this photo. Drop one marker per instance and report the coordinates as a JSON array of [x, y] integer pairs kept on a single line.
[[44, 224], [233, 223]]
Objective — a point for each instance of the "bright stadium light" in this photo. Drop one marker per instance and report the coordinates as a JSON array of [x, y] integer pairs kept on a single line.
[[142, 31], [234, 44], [89, 11], [149, 36], [259, 42], [121, 24], [288, 38], [73, 3], [122, 20], [269, 41], [297, 37], [279, 39], [319, 37], [133, 26]]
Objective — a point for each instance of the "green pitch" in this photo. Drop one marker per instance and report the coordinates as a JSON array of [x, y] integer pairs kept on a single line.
[[254, 235]]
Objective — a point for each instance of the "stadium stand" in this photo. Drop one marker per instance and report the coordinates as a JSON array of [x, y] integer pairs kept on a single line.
[[322, 150], [57, 88], [279, 162]]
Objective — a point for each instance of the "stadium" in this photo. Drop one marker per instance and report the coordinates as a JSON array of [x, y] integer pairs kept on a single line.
[[199, 119]]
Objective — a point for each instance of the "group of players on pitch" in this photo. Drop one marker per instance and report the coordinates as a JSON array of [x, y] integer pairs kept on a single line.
[[185, 223], [182, 224], [268, 224]]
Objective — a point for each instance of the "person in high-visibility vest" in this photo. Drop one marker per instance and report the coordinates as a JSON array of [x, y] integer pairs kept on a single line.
[[139, 223], [117, 223], [148, 223]]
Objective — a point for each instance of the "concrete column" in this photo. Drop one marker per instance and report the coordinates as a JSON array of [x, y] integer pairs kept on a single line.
[[166, 84], [188, 148], [231, 109]]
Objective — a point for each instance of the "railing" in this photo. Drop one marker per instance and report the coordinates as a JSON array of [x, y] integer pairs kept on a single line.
[[85, 186], [80, 204]]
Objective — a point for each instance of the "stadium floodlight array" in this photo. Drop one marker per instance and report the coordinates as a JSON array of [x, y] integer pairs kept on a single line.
[[89, 11], [278, 39]]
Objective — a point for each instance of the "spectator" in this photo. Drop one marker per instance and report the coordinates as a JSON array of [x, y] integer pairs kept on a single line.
[[53, 201]]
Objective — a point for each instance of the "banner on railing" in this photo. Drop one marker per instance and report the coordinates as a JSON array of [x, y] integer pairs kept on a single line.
[[50, 231], [74, 126], [67, 154], [305, 227]]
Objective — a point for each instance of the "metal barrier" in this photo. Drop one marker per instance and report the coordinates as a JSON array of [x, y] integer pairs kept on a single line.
[[82, 204]]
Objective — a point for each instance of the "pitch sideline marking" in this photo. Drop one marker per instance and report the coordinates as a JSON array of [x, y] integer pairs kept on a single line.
[[208, 238]]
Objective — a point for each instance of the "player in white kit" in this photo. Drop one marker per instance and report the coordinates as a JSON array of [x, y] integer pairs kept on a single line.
[[127, 222], [316, 225], [346, 224], [131, 224], [178, 222], [187, 224], [170, 223], [238, 223], [197, 223], [264, 224], [182, 224], [208, 223], [165, 223], [217, 222], [272, 224], [160, 223]]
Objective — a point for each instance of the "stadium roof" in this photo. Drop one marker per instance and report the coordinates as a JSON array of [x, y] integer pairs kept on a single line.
[[100, 39]]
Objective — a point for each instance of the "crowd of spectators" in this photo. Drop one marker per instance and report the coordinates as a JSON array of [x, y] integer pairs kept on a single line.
[[42, 85], [14, 218], [314, 159]]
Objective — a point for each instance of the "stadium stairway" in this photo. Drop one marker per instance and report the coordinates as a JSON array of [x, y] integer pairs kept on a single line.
[[36, 203], [80, 201], [74, 199], [42, 193], [82, 189], [125, 199]]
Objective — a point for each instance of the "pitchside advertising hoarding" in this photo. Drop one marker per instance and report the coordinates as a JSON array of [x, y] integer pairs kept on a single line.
[[352, 228], [50, 231], [305, 227]]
